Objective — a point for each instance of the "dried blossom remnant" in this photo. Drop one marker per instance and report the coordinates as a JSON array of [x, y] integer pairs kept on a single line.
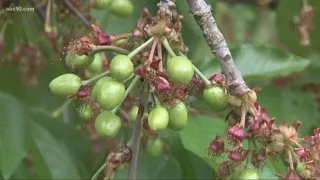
[[238, 154], [225, 169], [258, 158], [216, 146], [104, 38], [236, 134]]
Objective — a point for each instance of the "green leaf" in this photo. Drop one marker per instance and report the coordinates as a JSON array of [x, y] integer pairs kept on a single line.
[[290, 104], [14, 134], [163, 167], [70, 142], [198, 134], [55, 154], [192, 166], [258, 63], [288, 32]]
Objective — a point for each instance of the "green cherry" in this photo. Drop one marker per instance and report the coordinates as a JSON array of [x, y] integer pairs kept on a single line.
[[158, 118], [65, 85], [122, 8], [107, 124], [97, 64], [102, 4], [121, 67], [133, 113], [178, 116], [97, 86], [180, 70], [214, 96], [155, 147], [110, 94], [85, 111], [78, 61]]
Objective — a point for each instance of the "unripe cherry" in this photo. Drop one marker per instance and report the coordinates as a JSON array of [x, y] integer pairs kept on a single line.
[[121, 67], [107, 124], [65, 85], [110, 94], [96, 87], [122, 8], [97, 64], [180, 70], [178, 116], [78, 61], [214, 96], [155, 147], [158, 118]]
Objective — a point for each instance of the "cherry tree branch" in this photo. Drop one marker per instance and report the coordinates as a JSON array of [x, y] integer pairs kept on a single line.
[[202, 13]]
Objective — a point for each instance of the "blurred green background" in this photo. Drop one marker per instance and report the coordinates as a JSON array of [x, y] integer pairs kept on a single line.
[[265, 45]]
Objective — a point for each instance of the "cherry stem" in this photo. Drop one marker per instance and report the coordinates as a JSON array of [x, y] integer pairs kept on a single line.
[[243, 114], [156, 100], [140, 48], [167, 47], [296, 143], [134, 142], [97, 49], [150, 58], [96, 174], [121, 36], [56, 113], [290, 159], [250, 144], [91, 80], [206, 81], [159, 49], [128, 90], [47, 26]]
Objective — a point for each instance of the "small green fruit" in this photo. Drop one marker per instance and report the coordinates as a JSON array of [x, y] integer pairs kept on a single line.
[[97, 64], [133, 113], [178, 116], [85, 111], [180, 70], [107, 124], [248, 174], [215, 97], [65, 85], [110, 94], [78, 61], [122, 8], [155, 147], [102, 4], [96, 87], [158, 118], [121, 67]]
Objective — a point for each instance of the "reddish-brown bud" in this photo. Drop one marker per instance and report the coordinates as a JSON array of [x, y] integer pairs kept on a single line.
[[236, 134], [217, 146], [217, 79], [224, 169], [238, 154], [104, 38]]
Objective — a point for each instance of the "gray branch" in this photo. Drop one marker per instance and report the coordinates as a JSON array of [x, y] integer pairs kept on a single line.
[[202, 13]]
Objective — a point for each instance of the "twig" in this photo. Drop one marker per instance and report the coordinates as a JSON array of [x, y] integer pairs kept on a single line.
[[77, 12], [202, 13], [134, 142]]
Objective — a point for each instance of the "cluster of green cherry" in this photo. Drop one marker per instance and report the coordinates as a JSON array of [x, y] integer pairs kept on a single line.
[[121, 8], [156, 66]]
